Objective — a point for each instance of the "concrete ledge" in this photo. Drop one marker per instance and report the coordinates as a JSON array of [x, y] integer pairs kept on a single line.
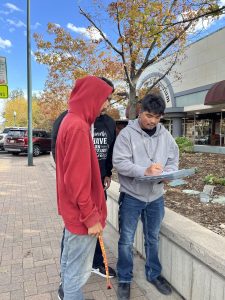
[[209, 149], [193, 257], [197, 240]]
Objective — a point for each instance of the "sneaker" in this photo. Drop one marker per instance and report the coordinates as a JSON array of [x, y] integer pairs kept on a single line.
[[101, 271], [162, 285], [60, 292], [123, 291]]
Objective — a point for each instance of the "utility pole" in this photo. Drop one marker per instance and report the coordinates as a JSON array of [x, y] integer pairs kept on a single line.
[[29, 89]]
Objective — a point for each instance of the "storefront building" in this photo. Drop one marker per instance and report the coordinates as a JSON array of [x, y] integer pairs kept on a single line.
[[196, 101]]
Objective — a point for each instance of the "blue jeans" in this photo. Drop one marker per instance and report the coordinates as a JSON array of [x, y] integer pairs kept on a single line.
[[131, 209], [76, 264], [98, 258]]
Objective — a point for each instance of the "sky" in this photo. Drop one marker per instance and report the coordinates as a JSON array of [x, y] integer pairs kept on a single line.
[[13, 39], [65, 13]]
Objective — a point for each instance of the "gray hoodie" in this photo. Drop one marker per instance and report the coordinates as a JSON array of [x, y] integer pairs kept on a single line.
[[135, 151]]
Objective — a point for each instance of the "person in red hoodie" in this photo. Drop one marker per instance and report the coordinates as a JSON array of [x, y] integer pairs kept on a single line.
[[80, 195]]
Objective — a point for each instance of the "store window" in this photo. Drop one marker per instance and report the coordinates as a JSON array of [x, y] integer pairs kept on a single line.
[[188, 127], [202, 131], [205, 129]]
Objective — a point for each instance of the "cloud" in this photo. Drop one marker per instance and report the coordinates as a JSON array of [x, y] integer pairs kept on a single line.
[[5, 43], [36, 25], [207, 23], [90, 33], [33, 55], [203, 24], [12, 7], [18, 23], [3, 12], [57, 25]]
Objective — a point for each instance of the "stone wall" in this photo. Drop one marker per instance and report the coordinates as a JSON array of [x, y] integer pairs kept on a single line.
[[193, 257]]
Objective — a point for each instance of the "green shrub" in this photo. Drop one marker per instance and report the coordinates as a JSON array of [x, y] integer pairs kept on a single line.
[[184, 144], [211, 179]]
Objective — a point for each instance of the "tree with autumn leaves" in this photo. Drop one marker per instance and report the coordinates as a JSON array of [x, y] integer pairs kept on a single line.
[[15, 111], [146, 32]]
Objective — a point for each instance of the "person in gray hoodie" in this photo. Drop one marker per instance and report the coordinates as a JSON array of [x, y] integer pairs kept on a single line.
[[143, 148]]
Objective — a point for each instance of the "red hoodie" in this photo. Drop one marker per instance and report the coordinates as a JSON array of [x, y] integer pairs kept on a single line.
[[80, 195]]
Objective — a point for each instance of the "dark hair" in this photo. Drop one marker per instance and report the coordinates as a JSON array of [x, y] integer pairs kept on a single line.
[[153, 103], [109, 82]]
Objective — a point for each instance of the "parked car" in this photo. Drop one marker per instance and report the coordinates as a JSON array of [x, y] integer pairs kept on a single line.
[[3, 136], [16, 141]]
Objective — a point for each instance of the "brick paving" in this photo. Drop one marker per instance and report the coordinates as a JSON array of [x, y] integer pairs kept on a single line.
[[30, 234]]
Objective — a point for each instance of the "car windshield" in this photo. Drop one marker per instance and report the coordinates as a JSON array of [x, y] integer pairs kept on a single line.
[[6, 130], [16, 133]]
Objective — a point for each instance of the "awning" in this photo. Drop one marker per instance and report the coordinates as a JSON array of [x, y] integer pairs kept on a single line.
[[216, 94]]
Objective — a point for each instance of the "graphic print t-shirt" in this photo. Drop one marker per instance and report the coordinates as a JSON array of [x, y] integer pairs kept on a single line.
[[104, 139]]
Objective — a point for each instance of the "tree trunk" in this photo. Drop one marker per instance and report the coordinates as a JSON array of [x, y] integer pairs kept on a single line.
[[132, 103]]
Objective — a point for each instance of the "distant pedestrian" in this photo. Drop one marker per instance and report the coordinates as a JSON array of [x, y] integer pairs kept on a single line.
[[143, 148], [80, 195]]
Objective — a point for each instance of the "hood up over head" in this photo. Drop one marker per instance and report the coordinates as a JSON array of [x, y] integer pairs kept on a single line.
[[87, 97]]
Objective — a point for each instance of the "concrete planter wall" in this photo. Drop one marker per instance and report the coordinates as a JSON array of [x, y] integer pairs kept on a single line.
[[209, 149], [193, 257]]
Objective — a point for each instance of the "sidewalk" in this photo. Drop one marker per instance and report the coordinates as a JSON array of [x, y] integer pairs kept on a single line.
[[30, 235]]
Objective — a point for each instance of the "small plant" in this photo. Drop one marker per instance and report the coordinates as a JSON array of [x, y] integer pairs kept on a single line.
[[211, 179], [196, 170], [184, 144]]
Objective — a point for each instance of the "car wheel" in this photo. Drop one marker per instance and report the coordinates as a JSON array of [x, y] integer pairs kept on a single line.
[[36, 150]]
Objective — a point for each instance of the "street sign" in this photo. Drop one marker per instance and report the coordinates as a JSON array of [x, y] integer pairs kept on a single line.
[[4, 91], [3, 79], [3, 72]]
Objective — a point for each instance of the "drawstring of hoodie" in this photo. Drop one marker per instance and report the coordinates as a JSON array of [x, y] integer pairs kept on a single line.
[[92, 130]]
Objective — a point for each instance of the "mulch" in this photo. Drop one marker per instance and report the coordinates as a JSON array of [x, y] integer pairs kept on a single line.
[[210, 215]]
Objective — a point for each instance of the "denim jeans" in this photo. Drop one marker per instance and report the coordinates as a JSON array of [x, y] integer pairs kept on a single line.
[[98, 258], [76, 263], [131, 209]]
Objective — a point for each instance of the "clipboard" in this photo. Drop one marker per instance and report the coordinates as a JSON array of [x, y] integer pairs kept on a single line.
[[168, 175]]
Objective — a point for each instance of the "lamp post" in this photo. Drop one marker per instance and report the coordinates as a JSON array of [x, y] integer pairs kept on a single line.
[[14, 118], [29, 89]]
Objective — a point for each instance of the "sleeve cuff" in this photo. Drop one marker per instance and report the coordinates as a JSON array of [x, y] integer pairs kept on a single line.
[[92, 220], [140, 171]]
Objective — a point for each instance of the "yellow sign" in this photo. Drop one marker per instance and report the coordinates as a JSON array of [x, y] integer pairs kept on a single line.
[[4, 91]]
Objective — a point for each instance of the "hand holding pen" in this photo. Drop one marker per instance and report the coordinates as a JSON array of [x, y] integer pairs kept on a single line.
[[154, 170]]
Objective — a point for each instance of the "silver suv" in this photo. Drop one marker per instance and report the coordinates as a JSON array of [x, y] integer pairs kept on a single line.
[[3, 135]]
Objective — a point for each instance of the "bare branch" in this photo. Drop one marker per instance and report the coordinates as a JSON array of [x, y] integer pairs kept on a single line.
[[206, 14], [146, 58], [153, 43], [117, 101], [167, 25], [100, 31], [176, 38], [164, 75], [122, 46]]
